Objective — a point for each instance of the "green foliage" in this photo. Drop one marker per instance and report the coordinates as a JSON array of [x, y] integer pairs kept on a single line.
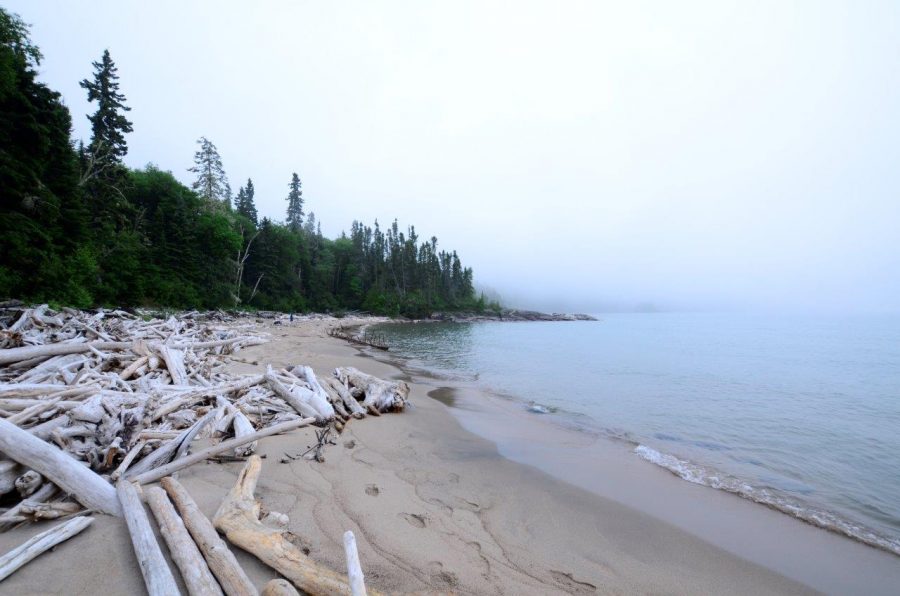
[[77, 227]]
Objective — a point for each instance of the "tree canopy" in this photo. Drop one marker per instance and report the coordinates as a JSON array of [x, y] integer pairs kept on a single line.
[[78, 227]]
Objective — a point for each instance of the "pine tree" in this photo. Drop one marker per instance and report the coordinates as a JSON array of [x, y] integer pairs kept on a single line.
[[211, 183], [295, 204], [245, 205], [108, 123]]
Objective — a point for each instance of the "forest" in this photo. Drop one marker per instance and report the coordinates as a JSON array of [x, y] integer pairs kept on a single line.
[[78, 227]]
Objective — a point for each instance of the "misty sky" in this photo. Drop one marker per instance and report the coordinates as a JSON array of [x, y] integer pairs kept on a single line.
[[577, 155]]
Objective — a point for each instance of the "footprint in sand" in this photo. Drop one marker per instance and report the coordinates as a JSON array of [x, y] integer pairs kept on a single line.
[[414, 519], [440, 576], [350, 444], [372, 490]]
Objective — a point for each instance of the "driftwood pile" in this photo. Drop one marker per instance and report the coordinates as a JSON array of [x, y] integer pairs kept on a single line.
[[94, 405]]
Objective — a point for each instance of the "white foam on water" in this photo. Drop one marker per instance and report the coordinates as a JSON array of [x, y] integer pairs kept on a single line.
[[712, 478]]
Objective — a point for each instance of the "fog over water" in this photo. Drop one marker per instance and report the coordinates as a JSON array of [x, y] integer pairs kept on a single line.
[[579, 156]]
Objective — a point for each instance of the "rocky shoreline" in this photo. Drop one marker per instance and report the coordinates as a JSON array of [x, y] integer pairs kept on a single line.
[[507, 314]]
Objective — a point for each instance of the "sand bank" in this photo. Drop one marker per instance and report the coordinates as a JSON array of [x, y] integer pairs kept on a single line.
[[433, 507]]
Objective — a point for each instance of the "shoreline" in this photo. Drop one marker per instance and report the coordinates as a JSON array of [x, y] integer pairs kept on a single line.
[[817, 556], [433, 505]]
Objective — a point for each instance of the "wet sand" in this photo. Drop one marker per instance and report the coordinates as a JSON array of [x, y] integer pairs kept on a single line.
[[437, 507]]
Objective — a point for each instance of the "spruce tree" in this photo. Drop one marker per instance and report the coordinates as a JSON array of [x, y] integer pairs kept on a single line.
[[108, 123], [211, 183], [295, 204], [245, 205]]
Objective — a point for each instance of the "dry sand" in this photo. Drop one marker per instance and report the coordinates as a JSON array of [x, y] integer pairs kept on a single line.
[[432, 505]]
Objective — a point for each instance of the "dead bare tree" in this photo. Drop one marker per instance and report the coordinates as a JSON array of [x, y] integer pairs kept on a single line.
[[242, 256]]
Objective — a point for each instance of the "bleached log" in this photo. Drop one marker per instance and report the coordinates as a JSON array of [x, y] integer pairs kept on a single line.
[[246, 340], [384, 396], [222, 447], [242, 427], [195, 572], [221, 561], [27, 414], [343, 394], [9, 471], [292, 399], [45, 429], [354, 569], [88, 488], [27, 352], [319, 399], [28, 389], [133, 368], [193, 397], [157, 576], [127, 460], [174, 360], [13, 404], [171, 449], [41, 543], [238, 519]]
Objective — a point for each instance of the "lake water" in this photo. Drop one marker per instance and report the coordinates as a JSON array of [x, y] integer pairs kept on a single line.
[[801, 413]]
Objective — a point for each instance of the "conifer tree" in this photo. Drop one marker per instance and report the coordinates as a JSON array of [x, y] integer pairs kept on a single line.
[[295, 204], [211, 183], [245, 205], [108, 123]]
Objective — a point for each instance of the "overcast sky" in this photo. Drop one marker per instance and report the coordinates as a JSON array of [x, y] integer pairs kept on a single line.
[[577, 155]]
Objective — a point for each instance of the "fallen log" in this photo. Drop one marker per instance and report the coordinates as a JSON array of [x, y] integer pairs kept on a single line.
[[41, 543], [356, 410], [157, 575], [384, 396], [10, 355], [238, 519], [195, 572], [220, 559], [72, 476], [242, 428], [303, 408], [222, 447]]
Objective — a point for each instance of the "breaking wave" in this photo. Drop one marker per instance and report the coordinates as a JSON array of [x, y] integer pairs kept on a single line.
[[712, 478]]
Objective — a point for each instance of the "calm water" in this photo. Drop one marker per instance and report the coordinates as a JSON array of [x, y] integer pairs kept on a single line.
[[801, 413]]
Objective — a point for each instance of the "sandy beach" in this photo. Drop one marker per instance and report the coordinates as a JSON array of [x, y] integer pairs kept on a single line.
[[438, 508]]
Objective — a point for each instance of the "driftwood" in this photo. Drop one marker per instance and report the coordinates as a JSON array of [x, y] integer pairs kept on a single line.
[[92, 399], [279, 587], [20, 512], [9, 472], [354, 569], [243, 428], [356, 410], [88, 488], [41, 543], [28, 352], [222, 447], [157, 575], [221, 561], [195, 572], [303, 407], [238, 519], [380, 395]]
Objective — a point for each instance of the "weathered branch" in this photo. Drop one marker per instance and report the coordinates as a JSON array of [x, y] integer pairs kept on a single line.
[[157, 575], [88, 488], [221, 561]]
